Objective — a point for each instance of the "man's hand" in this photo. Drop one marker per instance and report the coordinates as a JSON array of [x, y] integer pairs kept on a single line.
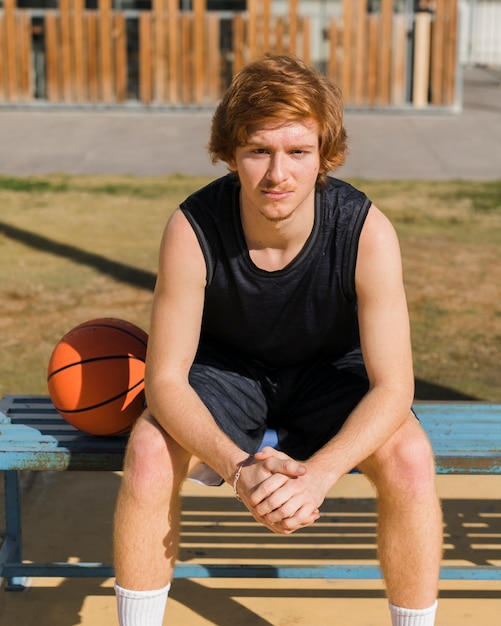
[[279, 492]]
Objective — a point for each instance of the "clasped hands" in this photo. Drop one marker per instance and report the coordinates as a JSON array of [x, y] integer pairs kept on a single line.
[[281, 493]]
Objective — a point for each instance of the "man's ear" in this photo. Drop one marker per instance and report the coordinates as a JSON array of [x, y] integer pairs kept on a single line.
[[232, 165]]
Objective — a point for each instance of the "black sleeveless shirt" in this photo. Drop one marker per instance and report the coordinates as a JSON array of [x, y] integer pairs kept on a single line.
[[306, 311]]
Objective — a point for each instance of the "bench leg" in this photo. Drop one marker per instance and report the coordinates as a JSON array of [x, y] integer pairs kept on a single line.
[[11, 550]]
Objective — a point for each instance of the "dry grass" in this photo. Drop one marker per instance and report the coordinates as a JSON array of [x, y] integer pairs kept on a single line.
[[72, 249]]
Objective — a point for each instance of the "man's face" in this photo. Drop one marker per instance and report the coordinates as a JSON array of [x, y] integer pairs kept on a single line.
[[278, 167]]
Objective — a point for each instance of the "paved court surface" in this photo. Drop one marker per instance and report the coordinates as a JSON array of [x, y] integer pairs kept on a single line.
[[68, 517]]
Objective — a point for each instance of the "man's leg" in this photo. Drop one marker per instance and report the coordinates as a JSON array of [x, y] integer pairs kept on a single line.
[[410, 523], [147, 518]]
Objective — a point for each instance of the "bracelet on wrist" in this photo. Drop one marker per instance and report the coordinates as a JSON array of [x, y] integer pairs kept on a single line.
[[235, 481]]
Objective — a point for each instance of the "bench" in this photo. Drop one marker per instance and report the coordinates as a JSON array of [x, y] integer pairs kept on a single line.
[[466, 437]]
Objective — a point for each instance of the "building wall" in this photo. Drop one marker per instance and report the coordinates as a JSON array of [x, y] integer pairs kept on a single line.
[[480, 32]]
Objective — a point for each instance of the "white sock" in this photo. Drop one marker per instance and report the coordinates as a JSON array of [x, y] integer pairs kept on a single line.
[[413, 617], [141, 608]]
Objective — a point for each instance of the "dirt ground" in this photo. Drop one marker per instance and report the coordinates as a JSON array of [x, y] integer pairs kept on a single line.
[[72, 511]]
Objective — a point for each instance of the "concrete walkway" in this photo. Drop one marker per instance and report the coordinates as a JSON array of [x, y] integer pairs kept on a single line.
[[426, 146]]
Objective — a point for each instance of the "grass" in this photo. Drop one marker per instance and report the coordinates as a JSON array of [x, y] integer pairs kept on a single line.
[[76, 248]]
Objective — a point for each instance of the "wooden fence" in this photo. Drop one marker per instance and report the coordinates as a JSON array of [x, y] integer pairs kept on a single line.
[[168, 57], [390, 59]]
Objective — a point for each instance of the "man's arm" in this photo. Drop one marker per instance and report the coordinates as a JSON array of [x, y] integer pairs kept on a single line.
[[174, 335], [386, 346]]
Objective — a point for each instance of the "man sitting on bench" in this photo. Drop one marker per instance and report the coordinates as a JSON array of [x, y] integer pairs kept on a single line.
[[279, 304]]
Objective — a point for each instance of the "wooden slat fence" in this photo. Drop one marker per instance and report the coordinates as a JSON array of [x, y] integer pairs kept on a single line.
[[168, 57], [390, 59], [15, 54]]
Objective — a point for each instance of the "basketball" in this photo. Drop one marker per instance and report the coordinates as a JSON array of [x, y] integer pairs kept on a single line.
[[96, 376]]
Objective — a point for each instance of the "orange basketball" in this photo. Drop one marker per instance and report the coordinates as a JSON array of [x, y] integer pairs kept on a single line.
[[96, 376]]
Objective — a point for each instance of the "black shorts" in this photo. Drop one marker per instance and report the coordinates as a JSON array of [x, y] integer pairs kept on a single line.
[[306, 405]]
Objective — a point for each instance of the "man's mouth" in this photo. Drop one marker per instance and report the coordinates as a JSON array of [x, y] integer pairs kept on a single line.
[[276, 193]]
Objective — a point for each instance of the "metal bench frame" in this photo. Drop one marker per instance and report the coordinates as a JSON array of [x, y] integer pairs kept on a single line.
[[466, 437]]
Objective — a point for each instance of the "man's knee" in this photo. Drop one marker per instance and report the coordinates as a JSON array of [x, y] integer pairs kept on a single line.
[[405, 462], [153, 460]]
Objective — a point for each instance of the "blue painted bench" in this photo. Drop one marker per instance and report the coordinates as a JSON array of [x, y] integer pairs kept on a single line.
[[466, 437]]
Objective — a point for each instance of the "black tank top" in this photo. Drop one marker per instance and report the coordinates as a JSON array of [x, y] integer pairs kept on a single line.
[[304, 312]]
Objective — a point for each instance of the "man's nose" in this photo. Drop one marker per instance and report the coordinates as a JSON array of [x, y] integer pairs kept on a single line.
[[277, 168]]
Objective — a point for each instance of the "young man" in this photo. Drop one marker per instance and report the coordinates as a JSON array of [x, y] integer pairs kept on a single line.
[[279, 303]]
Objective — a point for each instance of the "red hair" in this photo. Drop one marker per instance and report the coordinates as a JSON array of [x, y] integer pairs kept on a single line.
[[280, 87]]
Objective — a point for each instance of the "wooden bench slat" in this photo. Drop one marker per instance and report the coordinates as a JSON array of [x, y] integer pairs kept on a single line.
[[283, 571], [102, 461], [466, 436], [63, 445], [33, 436]]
